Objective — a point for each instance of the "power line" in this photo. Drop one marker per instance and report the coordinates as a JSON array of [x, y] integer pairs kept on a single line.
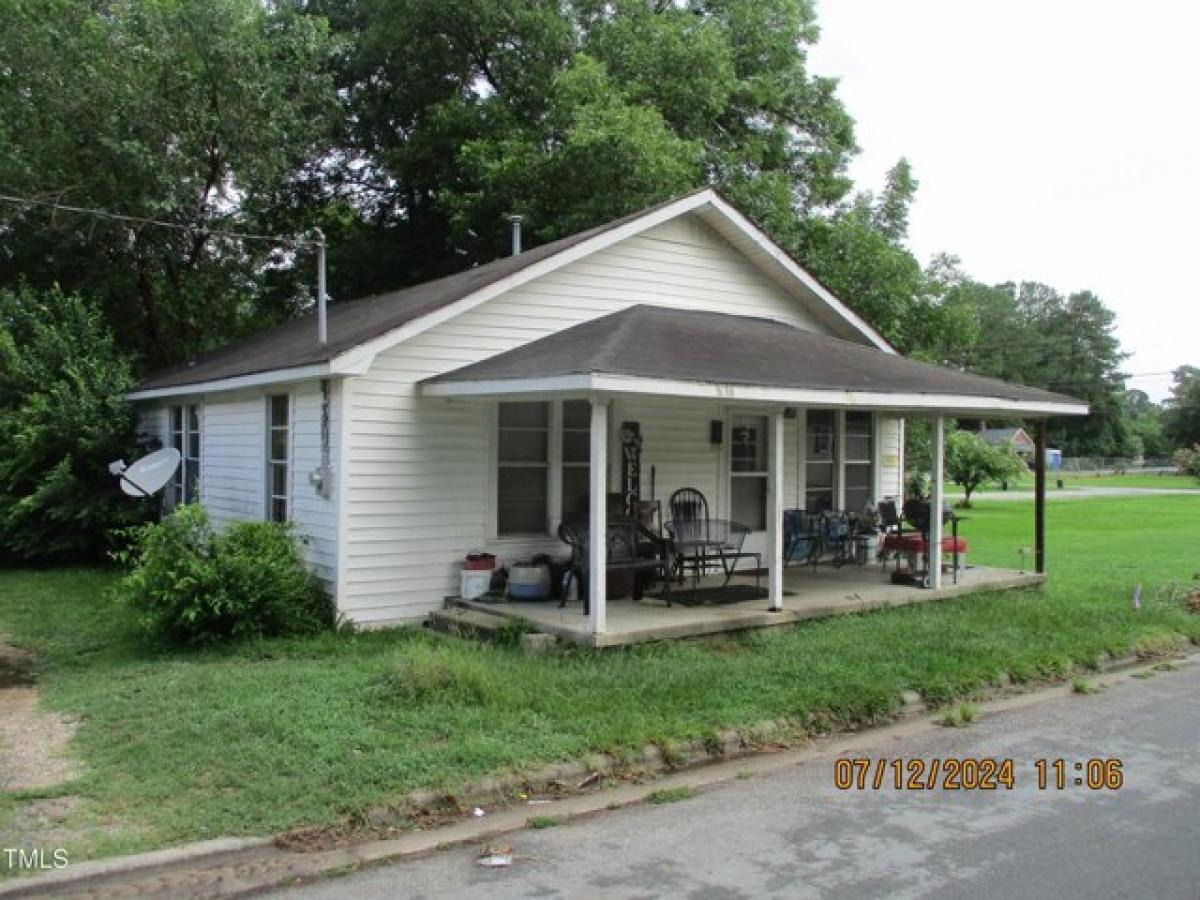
[[140, 220]]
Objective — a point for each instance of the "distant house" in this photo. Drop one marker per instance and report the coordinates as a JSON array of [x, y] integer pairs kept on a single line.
[[475, 411], [1021, 441]]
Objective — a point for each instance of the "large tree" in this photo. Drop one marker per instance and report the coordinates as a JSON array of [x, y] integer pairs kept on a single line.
[[1183, 407], [571, 113], [194, 113]]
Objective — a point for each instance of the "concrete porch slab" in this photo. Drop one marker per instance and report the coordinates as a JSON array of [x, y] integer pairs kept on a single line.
[[824, 592]]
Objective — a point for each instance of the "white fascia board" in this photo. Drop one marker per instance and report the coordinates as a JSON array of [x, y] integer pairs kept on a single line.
[[258, 379], [874, 400], [358, 359], [789, 265]]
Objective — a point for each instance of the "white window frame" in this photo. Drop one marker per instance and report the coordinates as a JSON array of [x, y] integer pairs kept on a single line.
[[554, 472], [873, 462], [179, 493], [270, 462]]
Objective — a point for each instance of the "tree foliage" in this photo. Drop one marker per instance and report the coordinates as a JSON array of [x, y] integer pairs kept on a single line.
[[1182, 416], [972, 461], [63, 418], [196, 114], [572, 113]]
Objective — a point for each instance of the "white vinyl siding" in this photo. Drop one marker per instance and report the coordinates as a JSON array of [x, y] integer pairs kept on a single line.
[[233, 465], [891, 462], [418, 468]]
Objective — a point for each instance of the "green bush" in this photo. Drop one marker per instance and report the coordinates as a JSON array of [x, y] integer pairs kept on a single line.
[[192, 584], [63, 418], [1187, 460]]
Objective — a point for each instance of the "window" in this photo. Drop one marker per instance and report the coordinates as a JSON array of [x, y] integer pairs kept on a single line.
[[277, 457], [576, 452], [820, 460], [859, 468], [523, 460], [185, 437], [539, 445], [748, 471]]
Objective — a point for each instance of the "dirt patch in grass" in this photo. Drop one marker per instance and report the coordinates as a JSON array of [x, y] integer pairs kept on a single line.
[[33, 743]]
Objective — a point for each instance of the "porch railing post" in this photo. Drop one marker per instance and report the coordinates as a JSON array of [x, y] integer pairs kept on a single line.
[[936, 499], [775, 512], [598, 516], [1039, 498]]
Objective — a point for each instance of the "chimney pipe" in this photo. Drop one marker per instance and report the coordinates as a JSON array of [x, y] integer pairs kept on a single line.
[[322, 323], [516, 221]]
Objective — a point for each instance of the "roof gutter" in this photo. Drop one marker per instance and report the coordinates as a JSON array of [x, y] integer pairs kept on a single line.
[[584, 383], [257, 379]]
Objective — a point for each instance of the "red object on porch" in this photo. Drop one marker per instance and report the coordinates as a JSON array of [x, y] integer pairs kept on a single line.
[[480, 561], [915, 543]]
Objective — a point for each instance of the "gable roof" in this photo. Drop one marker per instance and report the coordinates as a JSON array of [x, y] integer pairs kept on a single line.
[[717, 352], [1001, 435], [359, 328]]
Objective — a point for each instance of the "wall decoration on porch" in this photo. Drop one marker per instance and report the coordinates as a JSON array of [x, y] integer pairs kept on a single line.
[[631, 462]]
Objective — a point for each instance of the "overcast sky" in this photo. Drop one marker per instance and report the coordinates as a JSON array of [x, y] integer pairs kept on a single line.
[[1054, 140]]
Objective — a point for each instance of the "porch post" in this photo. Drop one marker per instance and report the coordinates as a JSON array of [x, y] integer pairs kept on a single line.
[[936, 499], [598, 515], [1039, 498], [775, 512]]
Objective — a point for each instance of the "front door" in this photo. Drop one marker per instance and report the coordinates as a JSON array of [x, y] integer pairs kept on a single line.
[[748, 477]]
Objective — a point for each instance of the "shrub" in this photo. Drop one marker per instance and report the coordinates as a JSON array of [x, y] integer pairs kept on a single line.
[[63, 418], [192, 584], [1187, 460]]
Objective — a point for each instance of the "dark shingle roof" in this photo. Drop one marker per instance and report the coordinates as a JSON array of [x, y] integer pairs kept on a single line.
[[1001, 435], [355, 322], [686, 345]]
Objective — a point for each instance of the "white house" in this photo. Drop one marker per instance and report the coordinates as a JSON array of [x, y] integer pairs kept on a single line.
[[381, 445]]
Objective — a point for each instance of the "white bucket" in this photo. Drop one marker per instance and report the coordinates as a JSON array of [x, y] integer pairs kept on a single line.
[[475, 583]]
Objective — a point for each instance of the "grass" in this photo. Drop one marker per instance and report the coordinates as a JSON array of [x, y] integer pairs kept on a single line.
[[262, 737], [1085, 686], [539, 822], [671, 795], [959, 716]]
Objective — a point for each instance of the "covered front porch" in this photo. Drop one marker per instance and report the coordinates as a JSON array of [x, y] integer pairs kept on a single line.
[[807, 594], [671, 363]]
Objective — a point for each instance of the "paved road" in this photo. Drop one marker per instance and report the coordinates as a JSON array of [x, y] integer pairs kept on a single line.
[[793, 835], [1077, 493]]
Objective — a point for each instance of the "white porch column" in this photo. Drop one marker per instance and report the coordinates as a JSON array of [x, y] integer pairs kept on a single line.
[[598, 515], [936, 498], [775, 511]]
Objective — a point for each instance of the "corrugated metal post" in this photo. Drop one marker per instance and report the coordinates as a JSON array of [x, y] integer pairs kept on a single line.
[[936, 499], [775, 511], [322, 323], [598, 516], [1039, 498]]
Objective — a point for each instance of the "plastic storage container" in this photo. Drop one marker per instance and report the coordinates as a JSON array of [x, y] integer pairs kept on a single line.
[[475, 583], [529, 582]]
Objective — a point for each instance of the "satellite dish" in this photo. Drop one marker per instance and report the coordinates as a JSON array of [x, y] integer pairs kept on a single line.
[[149, 474]]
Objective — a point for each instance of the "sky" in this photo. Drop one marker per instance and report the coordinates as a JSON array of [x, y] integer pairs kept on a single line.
[[1054, 141]]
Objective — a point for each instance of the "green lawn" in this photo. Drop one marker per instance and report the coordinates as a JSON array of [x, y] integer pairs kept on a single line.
[[262, 737]]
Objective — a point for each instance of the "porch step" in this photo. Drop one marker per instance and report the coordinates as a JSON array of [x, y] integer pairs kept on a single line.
[[468, 623]]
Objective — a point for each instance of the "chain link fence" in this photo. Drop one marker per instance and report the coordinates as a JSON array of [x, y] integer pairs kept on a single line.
[[1114, 465]]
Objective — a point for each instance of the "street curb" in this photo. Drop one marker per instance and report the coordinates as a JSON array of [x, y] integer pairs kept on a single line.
[[245, 866], [102, 868]]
